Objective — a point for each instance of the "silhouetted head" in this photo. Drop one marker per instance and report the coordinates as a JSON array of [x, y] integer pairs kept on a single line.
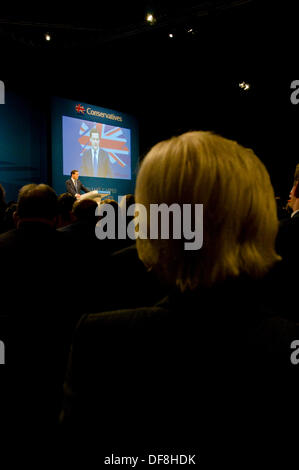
[[37, 202]]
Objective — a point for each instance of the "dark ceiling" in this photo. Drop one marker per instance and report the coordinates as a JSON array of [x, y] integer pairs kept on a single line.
[[107, 54], [112, 45], [115, 39], [104, 22]]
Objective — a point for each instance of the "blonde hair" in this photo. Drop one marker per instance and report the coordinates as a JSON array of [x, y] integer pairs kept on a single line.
[[296, 175], [239, 210]]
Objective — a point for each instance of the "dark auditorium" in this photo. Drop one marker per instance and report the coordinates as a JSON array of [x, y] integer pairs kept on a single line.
[[149, 235]]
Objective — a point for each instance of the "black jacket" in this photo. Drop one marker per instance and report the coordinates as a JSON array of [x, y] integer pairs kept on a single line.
[[192, 373], [70, 187]]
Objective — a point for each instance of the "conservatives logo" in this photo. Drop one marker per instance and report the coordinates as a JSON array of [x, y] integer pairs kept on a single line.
[[94, 112], [80, 109]]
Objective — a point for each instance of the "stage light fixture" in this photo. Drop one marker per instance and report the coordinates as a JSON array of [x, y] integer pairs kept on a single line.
[[171, 35], [150, 18], [47, 37], [191, 31], [244, 86]]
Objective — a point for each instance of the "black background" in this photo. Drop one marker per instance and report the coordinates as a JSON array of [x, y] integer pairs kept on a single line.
[[107, 55]]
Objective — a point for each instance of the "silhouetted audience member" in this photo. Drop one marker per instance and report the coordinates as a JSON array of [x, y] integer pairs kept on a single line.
[[8, 220], [122, 268], [208, 365], [35, 220], [81, 232], [287, 245], [287, 239], [146, 290], [33, 298], [87, 253], [283, 210], [117, 241], [65, 214], [3, 206], [127, 201]]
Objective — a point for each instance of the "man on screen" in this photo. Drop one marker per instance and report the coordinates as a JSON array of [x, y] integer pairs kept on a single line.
[[74, 186], [95, 162]]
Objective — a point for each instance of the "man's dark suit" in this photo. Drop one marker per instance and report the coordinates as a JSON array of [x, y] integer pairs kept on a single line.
[[70, 187], [104, 169]]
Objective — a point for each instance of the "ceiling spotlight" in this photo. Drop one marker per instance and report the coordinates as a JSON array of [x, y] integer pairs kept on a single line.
[[244, 86], [47, 37], [150, 18], [191, 31]]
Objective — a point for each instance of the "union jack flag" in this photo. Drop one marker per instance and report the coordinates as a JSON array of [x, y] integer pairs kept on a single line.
[[80, 109], [110, 141]]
